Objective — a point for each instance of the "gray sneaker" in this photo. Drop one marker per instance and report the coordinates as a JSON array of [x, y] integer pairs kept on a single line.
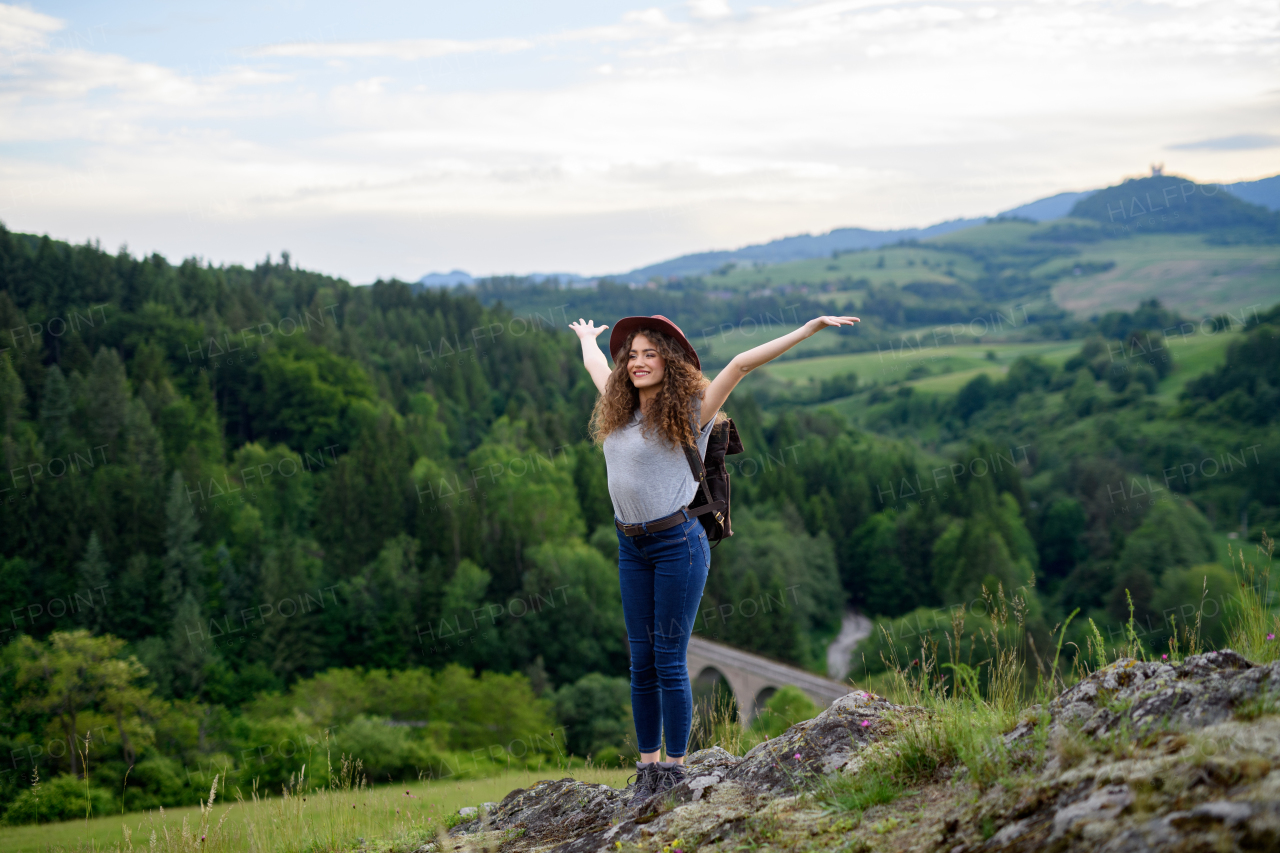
[[645, 777], [668, 774]]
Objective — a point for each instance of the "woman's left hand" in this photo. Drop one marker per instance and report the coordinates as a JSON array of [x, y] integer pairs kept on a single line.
[[819, 323]]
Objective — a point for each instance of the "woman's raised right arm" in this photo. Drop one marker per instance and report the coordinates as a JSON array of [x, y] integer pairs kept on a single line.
[[597, 365]]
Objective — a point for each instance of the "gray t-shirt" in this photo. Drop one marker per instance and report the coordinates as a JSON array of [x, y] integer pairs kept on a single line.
[[649, 478]]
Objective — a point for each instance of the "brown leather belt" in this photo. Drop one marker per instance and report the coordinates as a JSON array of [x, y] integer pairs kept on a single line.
[[680, 516]]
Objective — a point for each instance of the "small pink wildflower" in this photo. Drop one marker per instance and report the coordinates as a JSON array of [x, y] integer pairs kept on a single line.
[[1164, 657], [1271, 636], [797, 755], [866, 723]]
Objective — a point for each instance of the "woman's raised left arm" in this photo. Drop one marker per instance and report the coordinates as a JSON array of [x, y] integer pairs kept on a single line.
[[743, 363]]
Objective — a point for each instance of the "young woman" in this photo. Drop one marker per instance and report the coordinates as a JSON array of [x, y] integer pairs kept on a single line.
[[654, 400]]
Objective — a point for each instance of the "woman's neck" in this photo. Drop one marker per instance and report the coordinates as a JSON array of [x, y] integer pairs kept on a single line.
[[647, 396]]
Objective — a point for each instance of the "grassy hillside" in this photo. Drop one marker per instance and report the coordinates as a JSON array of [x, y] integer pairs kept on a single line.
[[1183, 271], [1194, 355], [910, 364], [944, 369], [1005, 280], [332, 819], [895, 265], [1068, 263]]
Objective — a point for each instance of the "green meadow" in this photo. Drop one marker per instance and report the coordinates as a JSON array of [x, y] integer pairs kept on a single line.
[[919, 357], [1179, 269], [402, 817], [890, 265], [1085, 276], [913, 361]]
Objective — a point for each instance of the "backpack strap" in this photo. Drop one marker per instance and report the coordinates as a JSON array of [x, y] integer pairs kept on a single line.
[[700, 475], [696, 466]]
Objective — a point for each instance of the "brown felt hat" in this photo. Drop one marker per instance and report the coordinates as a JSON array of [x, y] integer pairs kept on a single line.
[[623, 327]]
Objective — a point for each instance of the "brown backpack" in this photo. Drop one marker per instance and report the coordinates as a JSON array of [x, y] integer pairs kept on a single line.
[[711, 503]]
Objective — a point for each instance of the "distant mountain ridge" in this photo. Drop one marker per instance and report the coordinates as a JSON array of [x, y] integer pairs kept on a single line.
[[1053, 207], [459, 277], [1264, 193], [446, 279], [797, 248]]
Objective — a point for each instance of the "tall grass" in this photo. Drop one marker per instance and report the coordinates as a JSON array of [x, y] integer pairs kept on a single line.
[[958, 709], [716, 723], [1254, 625]]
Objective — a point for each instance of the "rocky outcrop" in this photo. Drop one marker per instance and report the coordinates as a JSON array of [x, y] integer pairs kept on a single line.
[[1138, 756], [719, 793], [1204, 690], [1143, 756]]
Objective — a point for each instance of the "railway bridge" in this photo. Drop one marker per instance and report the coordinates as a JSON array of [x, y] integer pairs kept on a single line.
[[753, 679]]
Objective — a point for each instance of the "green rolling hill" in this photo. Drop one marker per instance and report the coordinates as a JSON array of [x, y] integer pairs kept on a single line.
[[1200, 251]]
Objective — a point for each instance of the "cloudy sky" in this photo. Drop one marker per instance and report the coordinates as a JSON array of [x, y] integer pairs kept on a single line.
[[396, 138]]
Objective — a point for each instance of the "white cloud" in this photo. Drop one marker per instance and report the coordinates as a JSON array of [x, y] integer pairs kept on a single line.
[[76, 74], [729, 128], [395, 48], [709, 9], [23, 29], [653, 17]]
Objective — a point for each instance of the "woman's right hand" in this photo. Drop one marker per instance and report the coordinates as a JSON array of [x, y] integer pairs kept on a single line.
[[587, 329], [592, 358]]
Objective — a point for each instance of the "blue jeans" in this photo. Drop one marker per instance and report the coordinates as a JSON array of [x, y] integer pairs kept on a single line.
[[662, 575]]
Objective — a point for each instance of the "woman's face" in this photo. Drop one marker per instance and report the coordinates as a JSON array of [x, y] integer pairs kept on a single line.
[[645, 366]]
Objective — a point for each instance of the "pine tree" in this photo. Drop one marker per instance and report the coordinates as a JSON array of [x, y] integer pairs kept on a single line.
[[235, 587], [182, 565], [290, 638], [877, 575], [143, 446], [55, 408], [91, 580], [191, 651], [12, 397], [108, 396]]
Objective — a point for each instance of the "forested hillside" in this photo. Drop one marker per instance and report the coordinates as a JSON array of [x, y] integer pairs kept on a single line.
[[307, 506], [254, 476]]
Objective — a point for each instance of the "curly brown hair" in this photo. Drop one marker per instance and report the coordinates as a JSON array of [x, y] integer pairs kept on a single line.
[[681, 382]]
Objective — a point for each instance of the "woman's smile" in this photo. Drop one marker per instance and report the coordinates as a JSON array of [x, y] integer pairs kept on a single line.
[[644, 363]]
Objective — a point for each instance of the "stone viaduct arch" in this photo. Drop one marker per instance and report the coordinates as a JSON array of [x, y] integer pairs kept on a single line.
[[753, 678]]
